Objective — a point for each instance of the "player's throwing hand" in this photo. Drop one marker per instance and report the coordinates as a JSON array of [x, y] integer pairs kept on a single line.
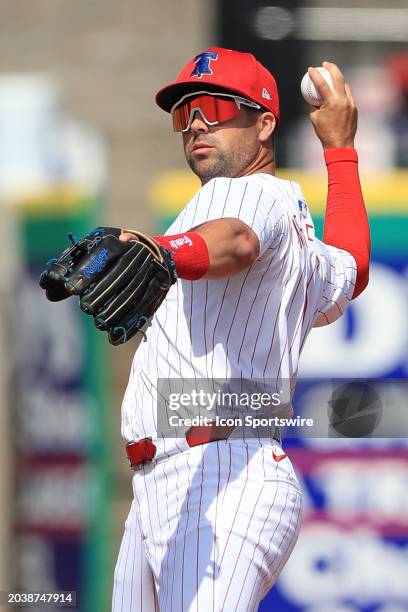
[[335, 121]]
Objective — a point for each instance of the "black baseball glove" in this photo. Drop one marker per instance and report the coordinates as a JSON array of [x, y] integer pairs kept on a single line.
[[121, 284]]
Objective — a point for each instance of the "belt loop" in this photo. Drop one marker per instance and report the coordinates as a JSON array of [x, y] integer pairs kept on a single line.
[[140, 452]]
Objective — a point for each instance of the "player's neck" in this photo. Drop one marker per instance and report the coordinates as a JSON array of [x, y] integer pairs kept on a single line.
[[263, 162]]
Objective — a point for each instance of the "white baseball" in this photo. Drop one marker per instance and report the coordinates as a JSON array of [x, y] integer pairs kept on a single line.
[[309, 91]]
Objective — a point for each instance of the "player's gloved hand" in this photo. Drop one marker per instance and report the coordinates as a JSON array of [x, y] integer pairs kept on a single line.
[[121, 284]]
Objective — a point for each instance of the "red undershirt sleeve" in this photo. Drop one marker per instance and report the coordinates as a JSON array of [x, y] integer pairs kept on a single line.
[[346, 223]]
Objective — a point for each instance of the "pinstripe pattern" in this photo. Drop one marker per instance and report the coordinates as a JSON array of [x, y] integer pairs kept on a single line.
[[234, 523], [133, 579], [212, 527], [210, 301]]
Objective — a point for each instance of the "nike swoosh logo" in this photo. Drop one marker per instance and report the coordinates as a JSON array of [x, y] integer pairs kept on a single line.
[[279, 457]]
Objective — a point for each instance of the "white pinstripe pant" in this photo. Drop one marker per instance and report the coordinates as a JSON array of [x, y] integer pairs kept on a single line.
[[209, 529]]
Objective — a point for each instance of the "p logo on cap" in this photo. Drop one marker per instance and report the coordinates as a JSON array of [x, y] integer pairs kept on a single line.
[[203, 63]]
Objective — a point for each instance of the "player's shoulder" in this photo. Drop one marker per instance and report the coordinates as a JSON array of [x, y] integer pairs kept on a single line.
[[222, 187], [286, 195], [263, 181], [287, 192], [277, 183]]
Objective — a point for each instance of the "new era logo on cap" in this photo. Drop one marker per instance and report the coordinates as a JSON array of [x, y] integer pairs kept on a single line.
[[266, 94]]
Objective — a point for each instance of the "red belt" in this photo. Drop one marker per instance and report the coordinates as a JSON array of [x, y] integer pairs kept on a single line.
[[143, 451]]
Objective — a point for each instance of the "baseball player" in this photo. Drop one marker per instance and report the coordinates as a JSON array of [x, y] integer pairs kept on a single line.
[[215, 515], [237, 283]]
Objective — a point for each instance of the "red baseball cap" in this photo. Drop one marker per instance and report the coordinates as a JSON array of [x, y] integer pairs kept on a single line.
[[217, 68]]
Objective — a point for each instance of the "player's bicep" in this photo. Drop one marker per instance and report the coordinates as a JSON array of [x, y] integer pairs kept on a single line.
[[229, 231], [232, 246], [337, 276]]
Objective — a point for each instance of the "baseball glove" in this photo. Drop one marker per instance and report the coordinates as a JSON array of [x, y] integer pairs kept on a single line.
[[120, 284]]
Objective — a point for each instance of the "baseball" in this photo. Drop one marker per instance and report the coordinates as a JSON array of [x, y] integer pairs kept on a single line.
[[309, 91]]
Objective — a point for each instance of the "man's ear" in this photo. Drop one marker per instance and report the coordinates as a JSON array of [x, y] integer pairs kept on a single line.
[[266, 125]]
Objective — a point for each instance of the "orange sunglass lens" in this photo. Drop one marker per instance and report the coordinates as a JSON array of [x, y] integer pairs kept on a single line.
[[213, 110]]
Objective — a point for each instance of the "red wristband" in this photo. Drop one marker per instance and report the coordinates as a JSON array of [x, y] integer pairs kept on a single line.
[[189, 252]]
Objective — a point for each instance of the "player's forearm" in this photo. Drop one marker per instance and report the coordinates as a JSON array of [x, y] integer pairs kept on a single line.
[[346, 223], [216, 249]]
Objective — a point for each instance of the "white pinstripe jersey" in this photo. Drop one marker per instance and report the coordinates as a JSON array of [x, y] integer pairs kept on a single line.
[[252, 325]]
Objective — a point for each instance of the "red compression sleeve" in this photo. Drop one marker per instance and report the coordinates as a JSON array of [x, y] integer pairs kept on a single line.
[[189, 252], [346, 223]]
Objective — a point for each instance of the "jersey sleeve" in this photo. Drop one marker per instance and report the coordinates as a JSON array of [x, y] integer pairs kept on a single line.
[[239, 199], [337, 271]]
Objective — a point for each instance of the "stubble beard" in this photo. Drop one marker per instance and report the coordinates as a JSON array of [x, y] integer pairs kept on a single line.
[[223, 165], [206, 170]]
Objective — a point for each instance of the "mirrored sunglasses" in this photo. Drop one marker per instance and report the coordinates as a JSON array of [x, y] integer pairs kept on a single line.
[[213, 107]]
